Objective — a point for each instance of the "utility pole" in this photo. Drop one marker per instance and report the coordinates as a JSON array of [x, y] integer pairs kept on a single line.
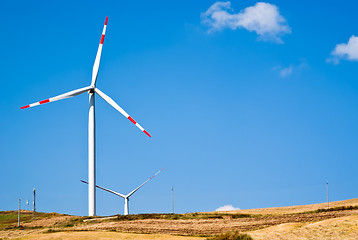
[[172, 200], [18, 219], [34, 202], [327, 197]]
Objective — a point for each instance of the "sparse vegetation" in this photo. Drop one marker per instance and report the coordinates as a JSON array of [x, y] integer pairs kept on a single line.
[[231, 236], [8, 219], [185, 216], [242, 215], [342, 208], [50, 230], [341, 220], [70, 222]]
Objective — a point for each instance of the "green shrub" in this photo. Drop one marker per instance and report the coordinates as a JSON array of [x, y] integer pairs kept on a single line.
[[50, 230], [342, 208], [231, 236], [241, 215]]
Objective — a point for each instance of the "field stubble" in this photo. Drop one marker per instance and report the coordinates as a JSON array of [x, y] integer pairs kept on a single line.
[[298, 222]]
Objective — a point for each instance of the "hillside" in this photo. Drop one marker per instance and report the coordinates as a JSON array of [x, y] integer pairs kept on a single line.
[[314, 221], [299, 208]]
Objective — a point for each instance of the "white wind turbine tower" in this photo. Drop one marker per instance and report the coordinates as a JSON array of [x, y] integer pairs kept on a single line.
[[91, 122], [126, 197]]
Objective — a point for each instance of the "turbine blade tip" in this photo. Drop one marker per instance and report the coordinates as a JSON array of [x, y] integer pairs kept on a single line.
[[25, 107], [106, 21], [147, 133]]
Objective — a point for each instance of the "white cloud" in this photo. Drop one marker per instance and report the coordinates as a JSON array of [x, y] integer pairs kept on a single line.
[[227, 208], [284, 72], [262, 18], [347, 51], [292, 68]]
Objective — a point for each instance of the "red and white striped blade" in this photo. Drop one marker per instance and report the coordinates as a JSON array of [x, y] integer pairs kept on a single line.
[[98, 56], [59, 97], [115, 105], [129, 194]]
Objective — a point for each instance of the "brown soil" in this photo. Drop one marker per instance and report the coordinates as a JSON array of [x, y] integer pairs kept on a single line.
[[199, 227], [298, 222], [102, 236], [49, 222]]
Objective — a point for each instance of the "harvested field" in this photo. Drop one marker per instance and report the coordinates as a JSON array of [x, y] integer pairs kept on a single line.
[[199, 227], [297, 209], [298, 222], [102, 235], [344, 228]]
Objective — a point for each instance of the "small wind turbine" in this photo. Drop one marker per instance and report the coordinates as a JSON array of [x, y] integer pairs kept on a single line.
[[126, 197], [91, 122]]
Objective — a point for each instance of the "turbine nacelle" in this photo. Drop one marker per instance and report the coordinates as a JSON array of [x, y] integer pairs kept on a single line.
[[126, 197], [91, 90]]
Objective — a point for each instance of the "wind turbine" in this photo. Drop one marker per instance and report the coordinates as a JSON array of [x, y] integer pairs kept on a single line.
[[91, 122], [126, 197]]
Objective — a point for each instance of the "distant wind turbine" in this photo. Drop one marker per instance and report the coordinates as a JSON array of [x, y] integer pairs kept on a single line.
[[91, 122], [126, 197]]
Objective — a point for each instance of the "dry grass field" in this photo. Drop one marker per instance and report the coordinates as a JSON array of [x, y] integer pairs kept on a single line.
[[314, 221], [101, 235], [299, 208], [344, 228]]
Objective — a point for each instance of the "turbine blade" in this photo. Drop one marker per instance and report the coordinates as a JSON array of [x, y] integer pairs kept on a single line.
[[98, 56], [129, 194], [59, 97], [115, 105], [105, 189]]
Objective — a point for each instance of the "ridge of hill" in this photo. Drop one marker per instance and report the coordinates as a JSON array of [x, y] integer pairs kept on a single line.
[[296, 209], [314, 221]]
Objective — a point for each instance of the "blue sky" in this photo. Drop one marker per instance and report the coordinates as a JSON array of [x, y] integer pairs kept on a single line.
[[248, 104]]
